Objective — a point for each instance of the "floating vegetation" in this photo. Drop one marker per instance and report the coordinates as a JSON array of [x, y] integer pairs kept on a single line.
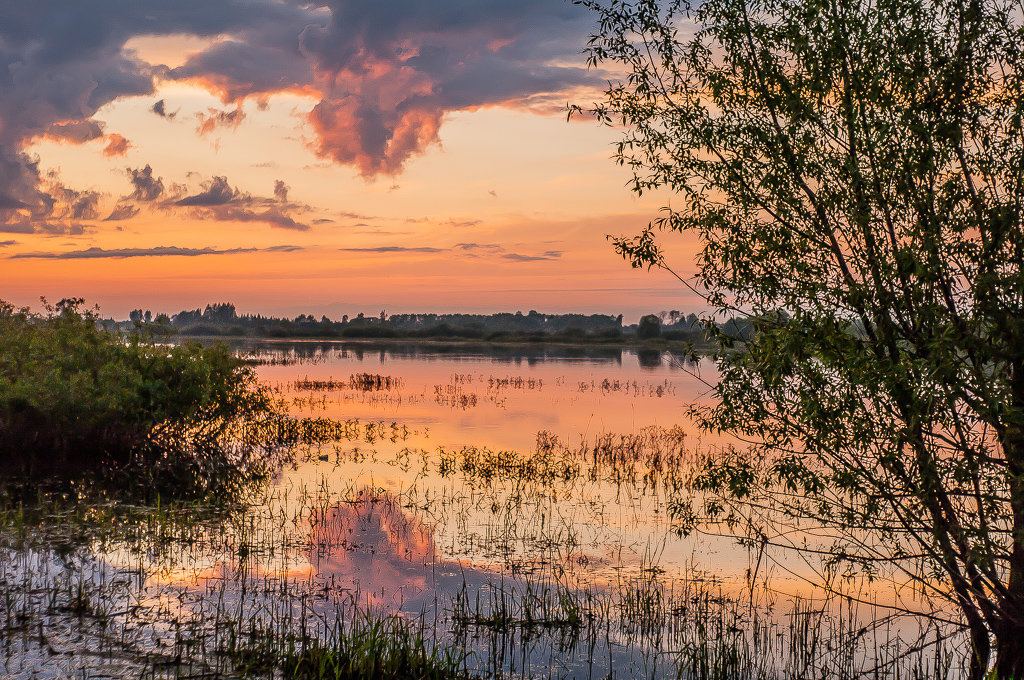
[[652, 456], [363, 382], [632, 388]]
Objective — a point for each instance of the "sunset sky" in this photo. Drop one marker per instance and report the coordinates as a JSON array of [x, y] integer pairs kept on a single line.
[[312, 157]]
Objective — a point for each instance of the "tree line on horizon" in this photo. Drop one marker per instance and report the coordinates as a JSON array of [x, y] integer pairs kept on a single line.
[[222, 319]]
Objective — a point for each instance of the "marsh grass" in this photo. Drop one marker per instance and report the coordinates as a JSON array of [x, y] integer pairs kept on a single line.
[[368, 647], [181, 591], [361, 382]]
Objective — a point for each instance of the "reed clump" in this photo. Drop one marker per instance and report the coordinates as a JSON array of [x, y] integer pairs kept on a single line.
[[360, 382]]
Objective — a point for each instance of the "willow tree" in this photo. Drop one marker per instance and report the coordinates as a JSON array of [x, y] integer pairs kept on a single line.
[[854, 172]]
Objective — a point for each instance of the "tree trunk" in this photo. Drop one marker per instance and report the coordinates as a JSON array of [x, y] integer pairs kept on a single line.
[[1009, 632], [1009, 639]]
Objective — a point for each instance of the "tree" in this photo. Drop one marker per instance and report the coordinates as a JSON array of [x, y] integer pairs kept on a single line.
[[649, 327], [858, 166]]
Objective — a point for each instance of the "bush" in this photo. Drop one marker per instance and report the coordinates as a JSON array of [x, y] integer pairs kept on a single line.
[[76, 398]]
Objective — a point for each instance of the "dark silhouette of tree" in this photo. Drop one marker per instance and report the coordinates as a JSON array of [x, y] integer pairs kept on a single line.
[[649, 327]]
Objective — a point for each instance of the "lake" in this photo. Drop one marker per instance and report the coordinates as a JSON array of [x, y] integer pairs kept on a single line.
[[515, 502]]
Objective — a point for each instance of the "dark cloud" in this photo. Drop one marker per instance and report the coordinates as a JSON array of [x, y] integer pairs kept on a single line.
[[393, 249], [59, 228], [384, 74], [280, 190], [76, 205], [160, 109], [5, 244], [402, 65], [472, 250], [158, 251], [62, 60], [273, 216], [216, 118], [477, 246], [215, 192], [124, 211], [76, 131], [146, 187], [220, 201]]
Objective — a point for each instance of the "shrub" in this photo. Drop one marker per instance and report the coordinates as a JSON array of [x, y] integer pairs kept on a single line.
[[76, 398]]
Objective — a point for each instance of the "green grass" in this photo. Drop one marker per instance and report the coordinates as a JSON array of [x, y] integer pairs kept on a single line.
[[366, 648]]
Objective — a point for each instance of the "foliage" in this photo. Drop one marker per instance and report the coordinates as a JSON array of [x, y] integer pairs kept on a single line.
[[76, 398], [854, 172], [649, 327]]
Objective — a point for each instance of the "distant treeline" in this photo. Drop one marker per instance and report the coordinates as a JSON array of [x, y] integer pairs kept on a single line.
[[223, 320]]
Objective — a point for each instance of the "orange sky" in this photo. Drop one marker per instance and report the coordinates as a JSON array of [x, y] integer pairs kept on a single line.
[[282, 198]]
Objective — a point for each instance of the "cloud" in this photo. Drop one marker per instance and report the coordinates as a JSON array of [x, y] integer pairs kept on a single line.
[[117, 145], [123, 211], [75, 131], [518, 257], [215, 192], [450, 222], [158, 251], [146, 187], [387, 73], [220, 201], [274, 217], [59, 228], [160, 109], [462, 223], [215, 118], [5, 244], [393, 249], [280, 190], [478, 246], [384, 75], [473, 250], [73, 204]]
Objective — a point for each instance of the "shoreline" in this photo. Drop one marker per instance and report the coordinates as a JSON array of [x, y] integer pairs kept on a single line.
[[675, 346]]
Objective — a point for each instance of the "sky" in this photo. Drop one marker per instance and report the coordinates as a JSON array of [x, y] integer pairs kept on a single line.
[[326, 157]]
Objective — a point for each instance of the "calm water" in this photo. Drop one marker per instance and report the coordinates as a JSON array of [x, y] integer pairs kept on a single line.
[[518, 502]]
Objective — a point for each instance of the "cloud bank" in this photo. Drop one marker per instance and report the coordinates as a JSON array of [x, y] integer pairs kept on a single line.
[[383, 75], [158, 251]]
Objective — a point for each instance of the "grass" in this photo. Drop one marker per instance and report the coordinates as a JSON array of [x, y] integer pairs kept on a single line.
[[367, 648]]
